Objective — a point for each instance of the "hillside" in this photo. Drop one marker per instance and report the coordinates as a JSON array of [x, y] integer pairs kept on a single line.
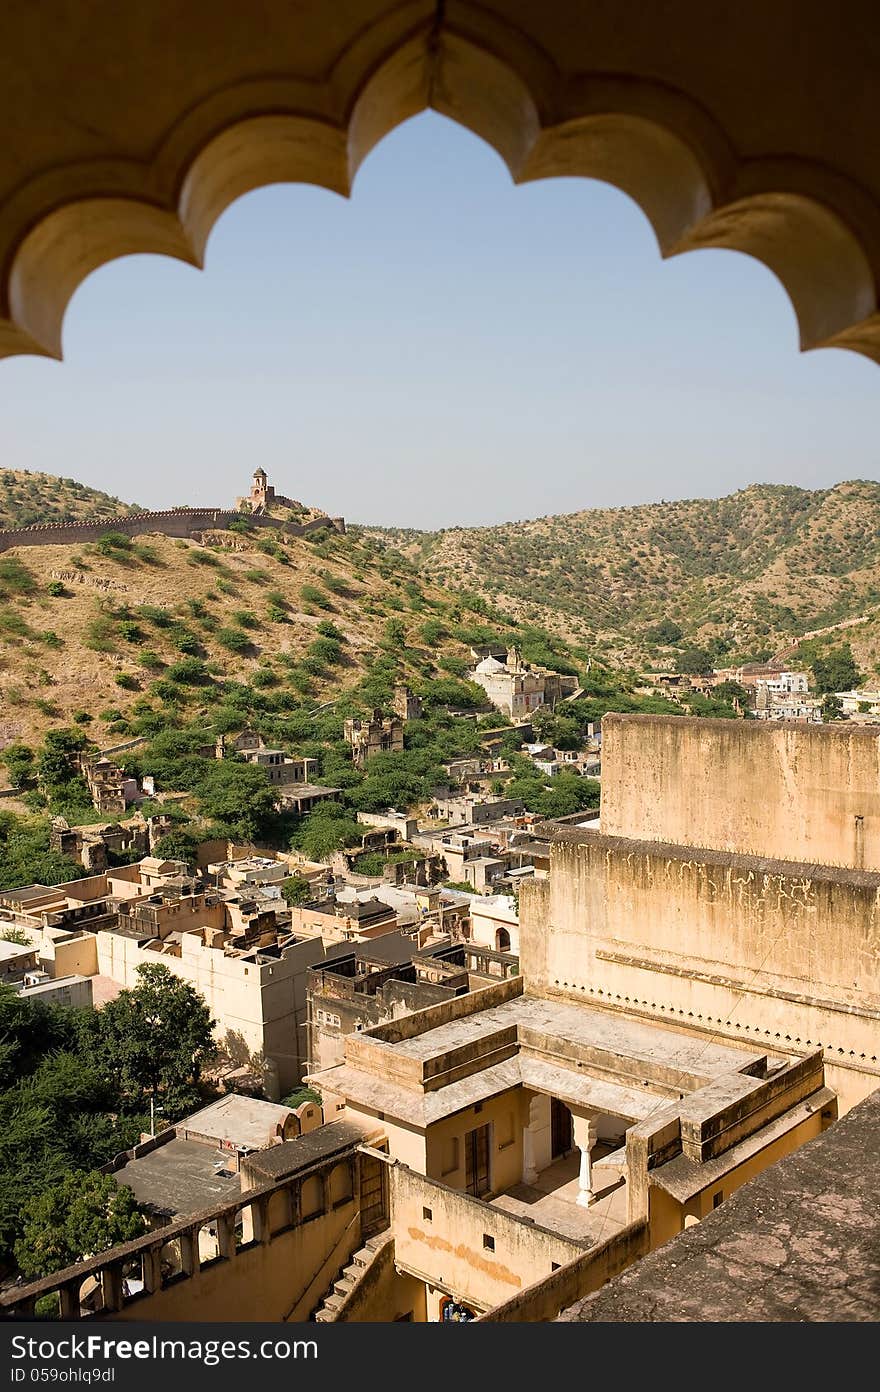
[[27, 499], [128, 636], [742, 575], [124, 636]]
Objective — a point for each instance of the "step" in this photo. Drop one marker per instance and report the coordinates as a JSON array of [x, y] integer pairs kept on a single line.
[[363, 1256], [354, 1272], [324, 1317], [343, 1287], [332, 1302]]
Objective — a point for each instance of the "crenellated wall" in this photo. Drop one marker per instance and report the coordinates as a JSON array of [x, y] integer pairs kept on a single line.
[[174, 522], [794, 792], [781, 954]]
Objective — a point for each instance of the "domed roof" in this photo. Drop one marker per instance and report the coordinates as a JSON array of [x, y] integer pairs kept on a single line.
[[490, 664]]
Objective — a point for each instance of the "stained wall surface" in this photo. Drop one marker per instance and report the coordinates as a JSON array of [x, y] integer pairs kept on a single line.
[[794, 792], [768, 952]]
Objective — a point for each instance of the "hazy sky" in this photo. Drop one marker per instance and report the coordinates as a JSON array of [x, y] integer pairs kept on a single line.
[[442, 349]]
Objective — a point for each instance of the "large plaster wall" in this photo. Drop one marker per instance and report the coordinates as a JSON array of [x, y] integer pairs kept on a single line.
[[796, 792], [757, 951]]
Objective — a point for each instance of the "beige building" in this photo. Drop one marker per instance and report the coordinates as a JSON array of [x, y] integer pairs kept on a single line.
[[355, 920], [235, 948], [519, 688], [255, 989], [377, 735], [495, 922], [522, 1143]]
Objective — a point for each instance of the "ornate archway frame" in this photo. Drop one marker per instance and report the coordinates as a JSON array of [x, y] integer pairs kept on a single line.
[[818, 231]]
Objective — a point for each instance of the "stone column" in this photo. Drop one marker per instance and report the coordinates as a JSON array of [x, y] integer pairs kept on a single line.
[[536, 1138], [585, 1137]]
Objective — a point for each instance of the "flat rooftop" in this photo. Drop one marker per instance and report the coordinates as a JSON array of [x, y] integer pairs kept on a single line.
[[550, 1035], [800, 1242], [584, 1025], [245, 1121], [179, 1177]]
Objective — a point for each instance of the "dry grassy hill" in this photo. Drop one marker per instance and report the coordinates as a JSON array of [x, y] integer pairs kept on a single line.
[[27, 499], [100, 629], [755, 570]]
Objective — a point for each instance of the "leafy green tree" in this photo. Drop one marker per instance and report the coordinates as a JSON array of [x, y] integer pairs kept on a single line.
[[296, 890], [695, 661], [56, 763], [666, 631], [832, 707], [836, 671], [25, 857], [327, 829], [180, 843], [159, 1034], [731, 691], [81, 1215], [19, 761], [237, 796]]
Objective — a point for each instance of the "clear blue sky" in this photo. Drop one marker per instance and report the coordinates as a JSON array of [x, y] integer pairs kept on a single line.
[[441, 349]]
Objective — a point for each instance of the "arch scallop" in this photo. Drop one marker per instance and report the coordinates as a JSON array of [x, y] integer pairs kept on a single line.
[[817, 230]]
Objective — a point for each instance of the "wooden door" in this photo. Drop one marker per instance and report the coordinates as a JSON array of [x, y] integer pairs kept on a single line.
[[476, 1161], [561, 1128]]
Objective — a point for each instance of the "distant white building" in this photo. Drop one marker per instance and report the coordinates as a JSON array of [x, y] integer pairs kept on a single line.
[[784, 684], [860, 702], [520, 688]]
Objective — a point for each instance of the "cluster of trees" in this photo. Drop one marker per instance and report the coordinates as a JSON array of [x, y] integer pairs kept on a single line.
[[49, 777], [835, 670], [25, 857], [74, 1091]]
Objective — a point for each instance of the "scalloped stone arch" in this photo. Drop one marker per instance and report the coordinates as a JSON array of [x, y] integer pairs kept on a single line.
[[816, 230]]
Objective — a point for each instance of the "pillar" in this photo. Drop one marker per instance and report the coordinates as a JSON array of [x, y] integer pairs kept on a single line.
[[189, 1251], [68, 1301], [536, 1138], [585, 1137], [226, 1234], [152, 1269]]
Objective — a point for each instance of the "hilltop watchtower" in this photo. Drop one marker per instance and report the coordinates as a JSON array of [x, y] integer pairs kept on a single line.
[[262, 492]]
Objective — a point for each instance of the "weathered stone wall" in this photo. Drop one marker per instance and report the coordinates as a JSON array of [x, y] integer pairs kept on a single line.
[[443, 1236], [776, 954], [549, 1295], [175, 522], [767, 788]]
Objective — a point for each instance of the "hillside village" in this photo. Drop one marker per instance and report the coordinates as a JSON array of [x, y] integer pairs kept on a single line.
[[468, 925], [303, 821]]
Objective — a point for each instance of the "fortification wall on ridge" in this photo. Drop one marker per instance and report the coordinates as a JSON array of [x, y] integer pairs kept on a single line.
[[174, 522]]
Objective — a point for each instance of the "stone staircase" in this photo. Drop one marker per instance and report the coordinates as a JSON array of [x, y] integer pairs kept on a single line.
[[349, 1276]]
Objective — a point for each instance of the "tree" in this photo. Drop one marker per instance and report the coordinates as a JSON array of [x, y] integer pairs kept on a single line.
[[158, 1035], [25, 857], [83, 1214], [731, 691], [666, 631], [177, 844], [836, 671], [695, 660], [19, 761], [238, 797], [325, 830], [56, 765], [296, 890], [832, 707]]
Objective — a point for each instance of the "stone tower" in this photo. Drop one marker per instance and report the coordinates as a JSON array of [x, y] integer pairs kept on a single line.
[[407, 705], [262, 492]]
